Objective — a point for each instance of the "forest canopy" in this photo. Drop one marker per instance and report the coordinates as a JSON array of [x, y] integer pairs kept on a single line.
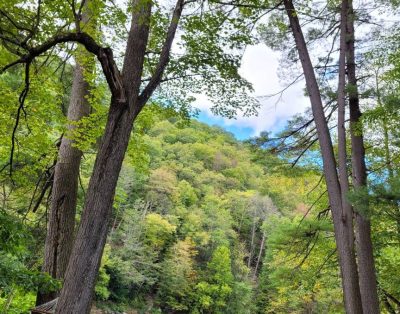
[[114, 198]]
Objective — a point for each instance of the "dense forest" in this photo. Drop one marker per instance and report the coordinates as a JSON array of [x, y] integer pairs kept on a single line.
[[114, 198]]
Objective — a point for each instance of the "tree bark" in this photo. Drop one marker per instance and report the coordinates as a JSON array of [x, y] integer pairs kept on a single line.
[[61, 226], [77, 292], [366, 267], [253, 233], [341, 219], [60, 233], [341, 100], [90, 240], [259, 256], [126, 104]]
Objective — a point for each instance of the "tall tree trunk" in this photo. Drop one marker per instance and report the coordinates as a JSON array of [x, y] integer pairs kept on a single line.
[[259, 256], [341, 101], [341, 219], [91, 236], [92, 233], [61, 226], [126, 104], [253, 233], [60, 233], [366, 267]]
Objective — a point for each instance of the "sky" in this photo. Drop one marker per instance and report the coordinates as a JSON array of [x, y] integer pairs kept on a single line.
[[260, 66]]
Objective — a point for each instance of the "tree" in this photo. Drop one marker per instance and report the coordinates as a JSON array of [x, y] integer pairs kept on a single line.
[[127, 101], [300, 267], [214, 293], [178, 276], [61, 226], [341, 218], [341, 101], [126, 104], [366, 268]]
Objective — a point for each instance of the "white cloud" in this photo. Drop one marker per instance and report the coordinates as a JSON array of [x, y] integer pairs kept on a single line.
[[260, 66]]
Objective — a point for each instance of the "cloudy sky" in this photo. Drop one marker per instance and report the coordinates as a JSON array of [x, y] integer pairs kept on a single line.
[[260, 66]]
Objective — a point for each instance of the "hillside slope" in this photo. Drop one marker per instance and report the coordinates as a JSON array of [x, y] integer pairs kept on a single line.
[[193, 217]]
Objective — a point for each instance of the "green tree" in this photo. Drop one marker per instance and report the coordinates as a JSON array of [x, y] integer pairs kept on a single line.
[[213, 294], [178, 277]]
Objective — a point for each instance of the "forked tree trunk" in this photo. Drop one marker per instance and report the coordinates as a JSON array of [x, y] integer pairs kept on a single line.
[[60, 231], [126, 104], [78, 289], [341, 219], [366, 267], [83, 266]]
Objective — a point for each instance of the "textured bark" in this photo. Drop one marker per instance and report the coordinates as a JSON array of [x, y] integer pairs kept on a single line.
[[126, 104], [341, 100], [364, 247], [90, 240], [61, 224], [60, 232], [366, 267], [341, 219], [82, 269]]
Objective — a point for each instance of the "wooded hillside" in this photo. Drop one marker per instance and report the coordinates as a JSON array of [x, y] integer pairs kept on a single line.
[[114, 197]]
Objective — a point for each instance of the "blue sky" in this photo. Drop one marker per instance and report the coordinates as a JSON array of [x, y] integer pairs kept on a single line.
[[240, 132], [261, 67]]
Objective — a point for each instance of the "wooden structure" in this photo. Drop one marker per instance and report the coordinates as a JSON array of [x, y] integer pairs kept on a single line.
[[46, 308]]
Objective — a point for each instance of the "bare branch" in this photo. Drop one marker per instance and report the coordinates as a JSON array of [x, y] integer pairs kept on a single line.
[[251, 6], [164, 57], [104, 55], [21, 101], [35, 26], [312, 142], [15, 24]]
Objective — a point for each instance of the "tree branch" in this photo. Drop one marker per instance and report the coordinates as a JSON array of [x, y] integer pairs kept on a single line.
[[164, 57], [104, 55], [21, 101]]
